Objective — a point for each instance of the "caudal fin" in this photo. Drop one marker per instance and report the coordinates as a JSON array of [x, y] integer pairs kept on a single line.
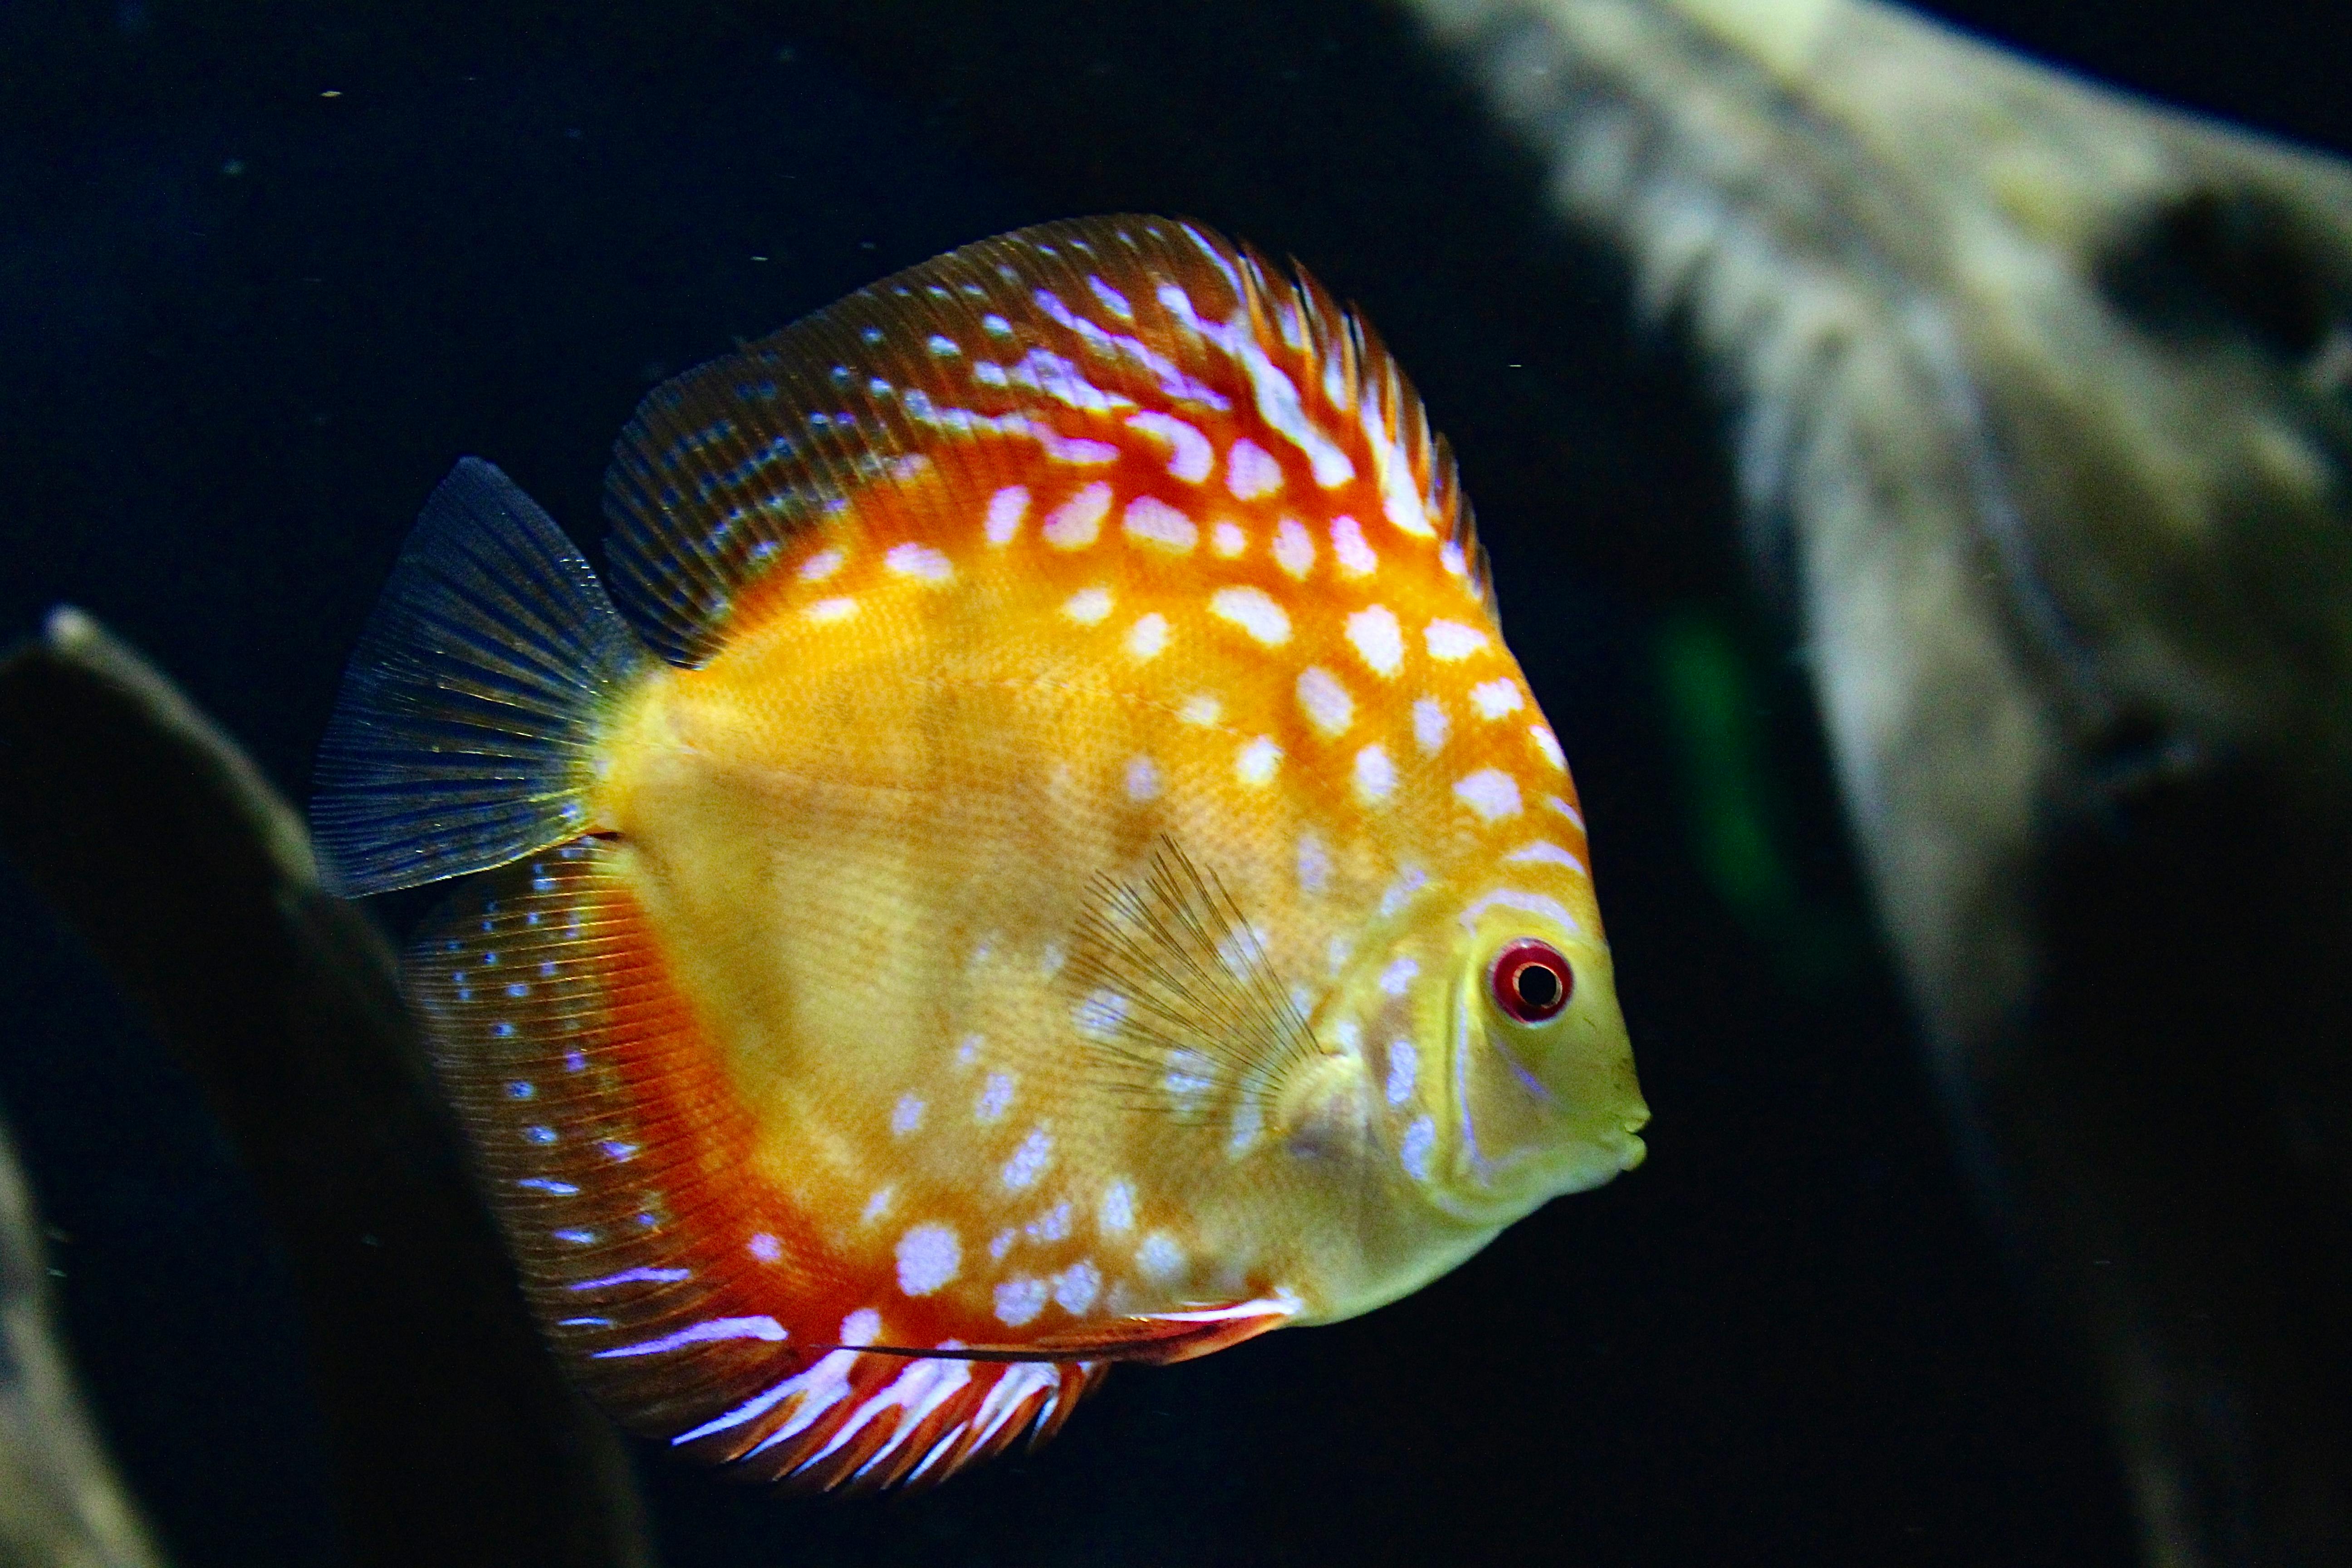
[[465, 733]]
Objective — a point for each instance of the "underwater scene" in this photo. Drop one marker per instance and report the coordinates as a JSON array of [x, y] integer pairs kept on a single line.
[[1005, 783]]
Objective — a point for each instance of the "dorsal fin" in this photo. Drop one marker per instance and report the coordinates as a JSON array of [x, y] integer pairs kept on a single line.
[[1030, 347]]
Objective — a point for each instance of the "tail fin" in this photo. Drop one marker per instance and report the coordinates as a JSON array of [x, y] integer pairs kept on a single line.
[[464, 734]]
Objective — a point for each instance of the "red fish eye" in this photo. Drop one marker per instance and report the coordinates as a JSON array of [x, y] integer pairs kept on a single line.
[[1531, 981]]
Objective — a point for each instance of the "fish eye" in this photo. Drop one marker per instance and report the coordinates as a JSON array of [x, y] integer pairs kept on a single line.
[[1531, 981]]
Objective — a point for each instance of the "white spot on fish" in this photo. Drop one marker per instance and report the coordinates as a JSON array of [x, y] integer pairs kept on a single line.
[[943, 347], [1054, 1224], [1100, 1014], [1148, 636], [1075, 1288], [1490, 792], [1113, 300], [1142, 779], [1294, 547], [1077, 521], [1251, 471], [1566, 810], [766, 1247], [1378, 639], [1419, 1138], [1401, 890], [967, 1048], [826, 611], [1256, 762], [1159, 1259], [995, 1098], [1077, 451], [1255, 610], [1399, 502], [1240, 948], [1403, 1062], [1006, 508], [1397, 978], [921, 562], [1493, 699], [1088, 606], [1118, 1211], [1190, 457], [1019, 1301], [1228, 541], [1000, 1244], [1050, 960], [1375, 774], [929, 1256], [1314, 865], [1549, 744], [1278, 405], [1152, 522], [1201, 711], [1545, 852], [906, 1115], [1189, 1076], [1451, 640], [1429, 725], [821, 564], [1028, 1162], [1335, 953], [1248, 1121], [1356, 557], [878, 1205], [1325, 701], [1552, 908]]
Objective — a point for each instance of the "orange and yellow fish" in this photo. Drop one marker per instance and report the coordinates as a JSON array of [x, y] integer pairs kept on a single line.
[[1082, 881]]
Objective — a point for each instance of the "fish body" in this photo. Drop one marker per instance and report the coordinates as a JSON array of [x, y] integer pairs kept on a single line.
[[1084, 880]]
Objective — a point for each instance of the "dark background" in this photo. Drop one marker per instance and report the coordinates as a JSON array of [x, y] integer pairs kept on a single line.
[[266, 271]]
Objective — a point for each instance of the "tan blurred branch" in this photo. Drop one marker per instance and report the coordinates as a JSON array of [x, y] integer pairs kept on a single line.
[[455, 1439], [61, 1505], [2038, 400]]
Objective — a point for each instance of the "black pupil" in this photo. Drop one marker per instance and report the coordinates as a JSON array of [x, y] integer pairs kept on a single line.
[[1537, 985]]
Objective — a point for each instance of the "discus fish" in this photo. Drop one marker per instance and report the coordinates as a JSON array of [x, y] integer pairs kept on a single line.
[[1082, 881]]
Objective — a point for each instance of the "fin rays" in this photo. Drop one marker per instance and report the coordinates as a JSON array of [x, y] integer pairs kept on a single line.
[[1196, 985], [908, 379], [462, 735]]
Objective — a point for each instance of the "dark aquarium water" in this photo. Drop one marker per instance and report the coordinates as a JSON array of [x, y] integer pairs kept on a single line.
[[266, 271]]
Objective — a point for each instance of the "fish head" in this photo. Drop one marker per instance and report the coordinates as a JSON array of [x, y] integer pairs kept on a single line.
[[1506, 1069]]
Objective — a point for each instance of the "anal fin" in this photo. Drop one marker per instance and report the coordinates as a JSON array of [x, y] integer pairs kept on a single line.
[[687, 1302], [597, 1115]]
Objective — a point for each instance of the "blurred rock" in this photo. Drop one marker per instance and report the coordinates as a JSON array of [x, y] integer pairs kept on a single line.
[[455, 1439], [2039, 402], [61, 1505]]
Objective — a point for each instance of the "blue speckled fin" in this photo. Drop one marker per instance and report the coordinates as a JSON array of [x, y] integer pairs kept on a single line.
[[585, 1093], [464, 734]]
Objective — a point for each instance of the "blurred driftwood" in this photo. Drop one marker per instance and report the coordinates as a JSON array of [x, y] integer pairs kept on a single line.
[[454, 1437], [2039, 411], [61, 1505]]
